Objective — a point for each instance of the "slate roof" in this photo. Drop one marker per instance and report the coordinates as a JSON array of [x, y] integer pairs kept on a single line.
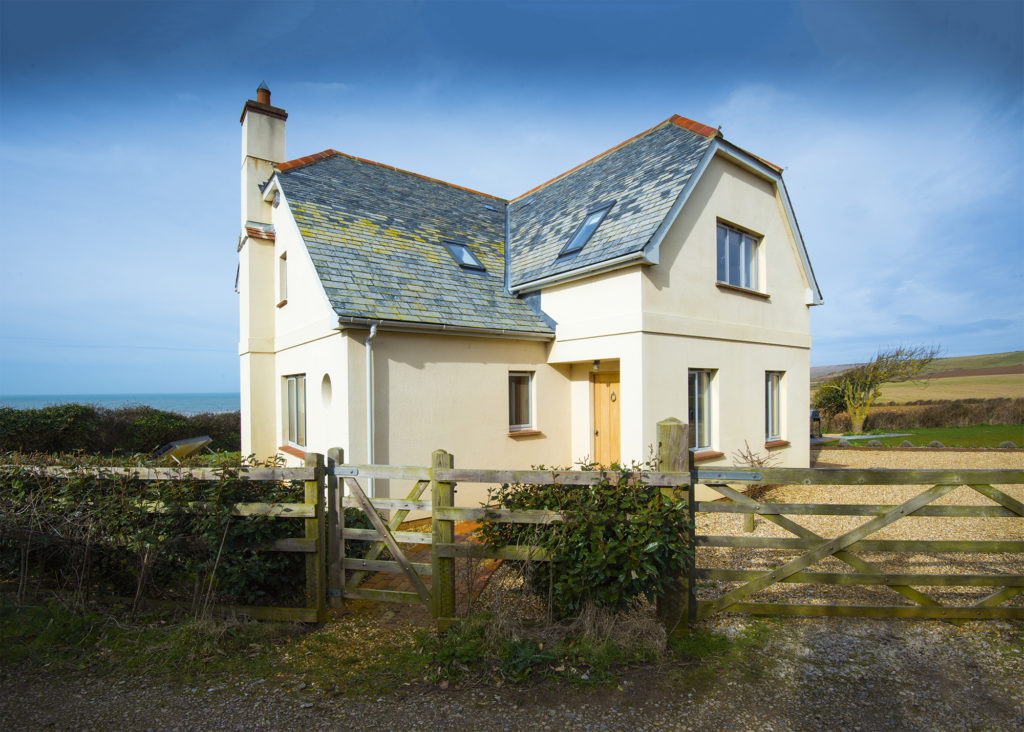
[[374, 234], [643, 176]]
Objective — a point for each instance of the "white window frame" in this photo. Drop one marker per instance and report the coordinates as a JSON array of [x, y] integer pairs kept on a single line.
[[700, 408], [295, 410], [749, 253], [773, 405], [515, 377]]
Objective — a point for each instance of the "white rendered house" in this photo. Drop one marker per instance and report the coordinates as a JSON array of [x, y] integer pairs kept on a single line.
[[391, 314]]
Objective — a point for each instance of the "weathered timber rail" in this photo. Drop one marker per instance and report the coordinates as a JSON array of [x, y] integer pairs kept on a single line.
[[332, 577], [677, 476]]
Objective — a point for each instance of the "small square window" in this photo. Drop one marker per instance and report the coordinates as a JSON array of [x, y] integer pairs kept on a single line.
[[462, 254], [737, 257], [520, 401], [586, 229], [699, 408]]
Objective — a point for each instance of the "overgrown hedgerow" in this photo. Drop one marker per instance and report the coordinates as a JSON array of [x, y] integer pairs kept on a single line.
[[94, 534], [924, 414], [66, 428]]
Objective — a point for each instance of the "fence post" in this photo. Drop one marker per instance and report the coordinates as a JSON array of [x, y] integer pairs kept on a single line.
[[674, 457], [442, 594], [335, 527], [316, 564]]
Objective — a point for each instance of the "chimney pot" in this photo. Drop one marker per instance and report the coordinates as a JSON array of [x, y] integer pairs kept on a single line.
[[263, 93]]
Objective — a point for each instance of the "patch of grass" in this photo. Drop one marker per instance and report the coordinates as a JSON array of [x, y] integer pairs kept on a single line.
[[61, 637], [982, 435], [703, 655]]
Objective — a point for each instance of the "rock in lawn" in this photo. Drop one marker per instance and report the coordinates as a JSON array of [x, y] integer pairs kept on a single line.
[[935, 443]]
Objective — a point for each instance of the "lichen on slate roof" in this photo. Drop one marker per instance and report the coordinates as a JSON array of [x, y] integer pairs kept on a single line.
[[644, 176], [374, 234]]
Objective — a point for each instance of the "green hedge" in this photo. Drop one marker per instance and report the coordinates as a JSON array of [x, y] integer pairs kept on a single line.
[[94, 535], [91, 429]]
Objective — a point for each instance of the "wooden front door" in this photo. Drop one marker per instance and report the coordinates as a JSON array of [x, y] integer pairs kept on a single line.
[[606, 418]]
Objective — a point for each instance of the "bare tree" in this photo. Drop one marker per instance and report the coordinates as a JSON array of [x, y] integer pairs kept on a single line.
[[857, 389]]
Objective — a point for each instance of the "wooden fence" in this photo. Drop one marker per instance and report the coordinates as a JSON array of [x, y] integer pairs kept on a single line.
[[311, 511], [677, 474], [332, 577]]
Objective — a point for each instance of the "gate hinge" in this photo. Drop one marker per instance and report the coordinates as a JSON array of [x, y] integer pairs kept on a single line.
[[339, 472]]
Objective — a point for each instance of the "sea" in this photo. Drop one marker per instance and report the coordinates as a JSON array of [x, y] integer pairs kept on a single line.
[[186, 404]]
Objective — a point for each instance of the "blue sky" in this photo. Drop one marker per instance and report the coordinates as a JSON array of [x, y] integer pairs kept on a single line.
[[899, 126]]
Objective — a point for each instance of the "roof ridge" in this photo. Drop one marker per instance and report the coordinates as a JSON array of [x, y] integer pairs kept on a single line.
[[330, 152], [688, 124]]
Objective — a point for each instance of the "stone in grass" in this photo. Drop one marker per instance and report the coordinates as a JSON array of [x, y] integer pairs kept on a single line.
[[844, 443], [935, 443], [873, 443], [906, 443], [1008, 443]]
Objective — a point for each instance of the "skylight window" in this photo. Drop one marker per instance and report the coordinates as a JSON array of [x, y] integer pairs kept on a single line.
[[586, 229], [462, 254]]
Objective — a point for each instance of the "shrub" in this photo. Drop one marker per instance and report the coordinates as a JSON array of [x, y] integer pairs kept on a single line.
[[86, 428], [618, 541], [95, 534], [958, 413]]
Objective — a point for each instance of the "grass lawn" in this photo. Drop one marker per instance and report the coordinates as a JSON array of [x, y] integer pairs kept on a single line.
[[982, 435]]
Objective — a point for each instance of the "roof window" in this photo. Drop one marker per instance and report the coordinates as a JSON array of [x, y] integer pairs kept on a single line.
[[462, 254], [586, 229]]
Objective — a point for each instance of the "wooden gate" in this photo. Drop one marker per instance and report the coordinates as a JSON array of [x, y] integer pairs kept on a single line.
[[844, 547], [341, 478]]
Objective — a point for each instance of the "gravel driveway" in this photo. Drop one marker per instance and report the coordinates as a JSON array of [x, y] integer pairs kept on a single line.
[[814, 674]]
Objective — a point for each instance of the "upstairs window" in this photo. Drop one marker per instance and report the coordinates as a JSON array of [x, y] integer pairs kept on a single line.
[[462, 254], [586, 229], [282, 280], [737, 258]]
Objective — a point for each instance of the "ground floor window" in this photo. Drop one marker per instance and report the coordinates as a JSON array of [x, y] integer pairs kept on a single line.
[[699, 401], [520, 397], [772, 406], [295, 426]]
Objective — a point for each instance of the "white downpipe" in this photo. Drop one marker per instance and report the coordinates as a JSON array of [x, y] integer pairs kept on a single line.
[[369, 403]]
